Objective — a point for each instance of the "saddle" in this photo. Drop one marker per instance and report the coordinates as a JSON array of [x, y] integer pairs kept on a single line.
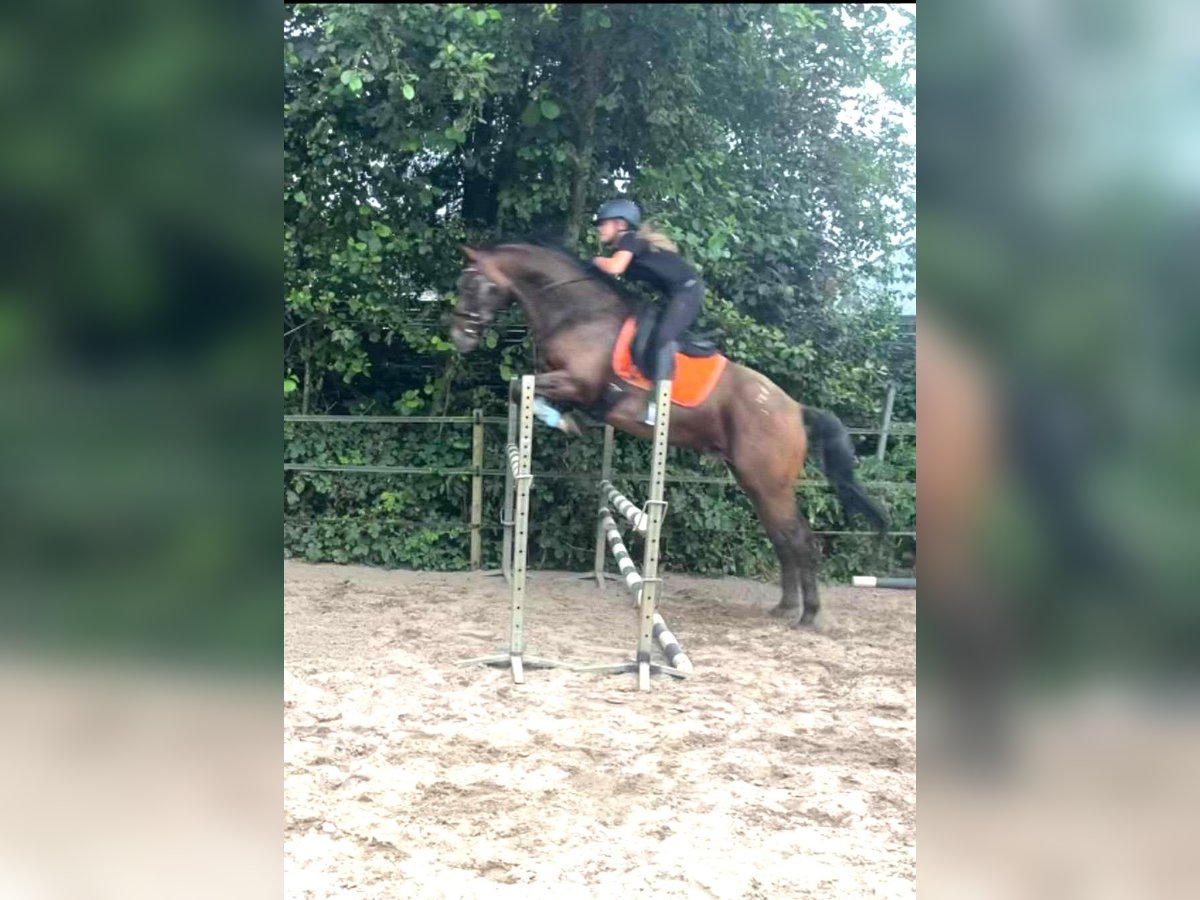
[[696, 347], [698, 365]]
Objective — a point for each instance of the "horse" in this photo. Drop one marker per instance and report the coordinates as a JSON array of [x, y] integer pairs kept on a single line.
[[575, 314]]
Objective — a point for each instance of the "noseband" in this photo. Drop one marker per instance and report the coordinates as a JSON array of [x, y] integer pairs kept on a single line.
[[475, 320]]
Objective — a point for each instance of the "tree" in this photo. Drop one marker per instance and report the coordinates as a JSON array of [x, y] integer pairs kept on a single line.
[[411, 128]]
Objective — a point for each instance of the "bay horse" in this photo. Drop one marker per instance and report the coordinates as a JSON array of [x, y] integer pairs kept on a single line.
[[575, 315]]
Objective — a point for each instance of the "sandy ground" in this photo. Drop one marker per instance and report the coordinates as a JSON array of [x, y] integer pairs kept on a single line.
[[785, 767]]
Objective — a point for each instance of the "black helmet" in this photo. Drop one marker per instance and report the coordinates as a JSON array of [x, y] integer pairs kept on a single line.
[[620, 209]]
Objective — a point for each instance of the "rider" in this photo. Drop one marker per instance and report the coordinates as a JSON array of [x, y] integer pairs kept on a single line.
[[652, 258]]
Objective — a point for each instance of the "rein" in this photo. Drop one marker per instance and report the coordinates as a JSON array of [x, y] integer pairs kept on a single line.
[[557, 284]]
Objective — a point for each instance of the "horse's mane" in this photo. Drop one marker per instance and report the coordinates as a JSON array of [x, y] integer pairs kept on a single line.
[[558, 246]]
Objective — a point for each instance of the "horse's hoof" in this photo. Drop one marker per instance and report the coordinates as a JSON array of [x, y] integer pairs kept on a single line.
[[808, 618], [779, 611]]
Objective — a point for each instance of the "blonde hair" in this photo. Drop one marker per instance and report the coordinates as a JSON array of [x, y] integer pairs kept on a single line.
[[656, 238]]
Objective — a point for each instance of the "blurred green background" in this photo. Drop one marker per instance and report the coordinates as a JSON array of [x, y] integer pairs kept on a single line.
[[140, 608], [139, 173], [1059, 209], [1058, 215]]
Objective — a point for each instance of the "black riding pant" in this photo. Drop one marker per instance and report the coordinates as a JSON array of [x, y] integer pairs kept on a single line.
[[677, 316]]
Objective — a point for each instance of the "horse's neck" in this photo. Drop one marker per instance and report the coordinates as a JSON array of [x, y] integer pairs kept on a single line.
[[530, 286], [545, 314]]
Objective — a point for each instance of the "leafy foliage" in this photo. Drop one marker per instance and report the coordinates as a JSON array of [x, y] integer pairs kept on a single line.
[[410, 129]]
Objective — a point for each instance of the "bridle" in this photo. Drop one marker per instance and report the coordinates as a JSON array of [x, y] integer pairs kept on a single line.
[[476, 321]]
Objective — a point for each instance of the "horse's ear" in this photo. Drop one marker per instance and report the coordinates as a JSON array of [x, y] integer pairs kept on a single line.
[[469, 254]]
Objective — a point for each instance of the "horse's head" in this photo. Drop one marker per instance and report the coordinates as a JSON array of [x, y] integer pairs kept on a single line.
[[483, 290]]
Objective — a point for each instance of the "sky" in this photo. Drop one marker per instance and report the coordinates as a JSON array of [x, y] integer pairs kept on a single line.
[[908, 118]]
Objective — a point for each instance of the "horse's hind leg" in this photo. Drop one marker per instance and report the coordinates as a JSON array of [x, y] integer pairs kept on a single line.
[[767, 469], [808, 554], [796, 547]]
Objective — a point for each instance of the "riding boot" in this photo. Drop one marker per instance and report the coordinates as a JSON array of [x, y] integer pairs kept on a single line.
[[664, 370]]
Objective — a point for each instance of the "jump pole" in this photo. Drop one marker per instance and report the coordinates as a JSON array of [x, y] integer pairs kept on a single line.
[[909, 584], [676, 658], [506, 514], [506, 519], [605, 474], [609, 495]]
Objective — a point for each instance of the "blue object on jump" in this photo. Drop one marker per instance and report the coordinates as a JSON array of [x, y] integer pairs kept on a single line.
[[546, 412]]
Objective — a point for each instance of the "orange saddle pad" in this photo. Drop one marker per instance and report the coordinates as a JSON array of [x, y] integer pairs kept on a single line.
[[695, 377]]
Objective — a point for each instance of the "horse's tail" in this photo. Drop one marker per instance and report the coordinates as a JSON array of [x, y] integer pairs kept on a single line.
[[830, 442]]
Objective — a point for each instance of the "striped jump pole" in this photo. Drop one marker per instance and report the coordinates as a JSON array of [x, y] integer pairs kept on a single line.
[[625, 507], [511, 471], [520, 458], [620, 554], [515, 409], [605, 473], [676, 658]]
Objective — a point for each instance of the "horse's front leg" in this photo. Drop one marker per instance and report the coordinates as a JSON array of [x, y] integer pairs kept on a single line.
[[551, 389]]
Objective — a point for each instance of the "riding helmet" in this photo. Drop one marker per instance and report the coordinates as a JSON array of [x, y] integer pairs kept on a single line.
[[620, 209]]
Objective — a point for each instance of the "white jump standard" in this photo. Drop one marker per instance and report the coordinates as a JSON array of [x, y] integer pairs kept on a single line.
[[518, 478]]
